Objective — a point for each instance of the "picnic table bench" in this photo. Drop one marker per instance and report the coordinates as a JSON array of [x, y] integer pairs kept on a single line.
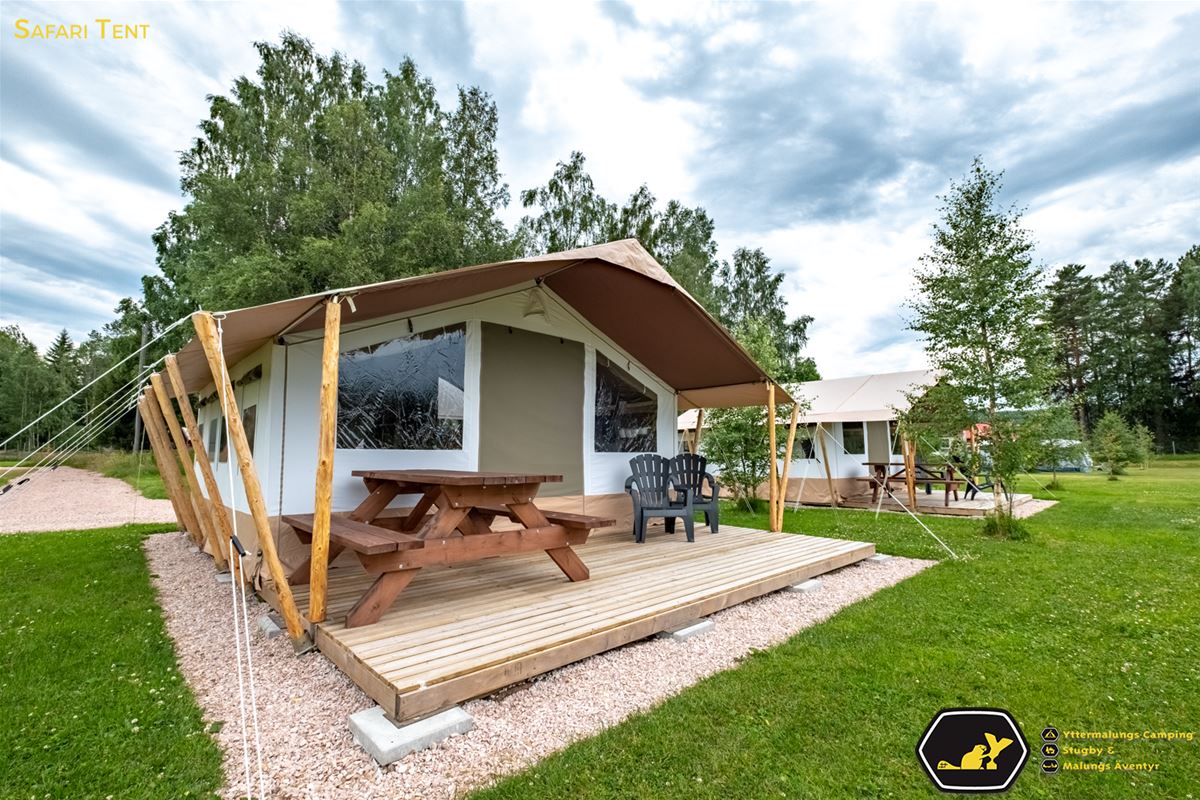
[[881, 478], [450, 523]]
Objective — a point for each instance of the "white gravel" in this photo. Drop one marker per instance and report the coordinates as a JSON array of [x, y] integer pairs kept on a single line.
[[303, 703], [70, 499], [1031, 507]]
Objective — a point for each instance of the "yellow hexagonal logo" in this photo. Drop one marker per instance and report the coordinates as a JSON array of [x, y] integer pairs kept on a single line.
[[973, 750]]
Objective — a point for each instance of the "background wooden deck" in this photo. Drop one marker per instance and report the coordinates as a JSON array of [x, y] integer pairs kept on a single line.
[[460, 632]]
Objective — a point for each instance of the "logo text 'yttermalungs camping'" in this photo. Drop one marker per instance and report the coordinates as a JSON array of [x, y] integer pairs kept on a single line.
[[973, 750]]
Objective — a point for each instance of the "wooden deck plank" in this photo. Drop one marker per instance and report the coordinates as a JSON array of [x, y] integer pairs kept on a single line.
[[458, 632]]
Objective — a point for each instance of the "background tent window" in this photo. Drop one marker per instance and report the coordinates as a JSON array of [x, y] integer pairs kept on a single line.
[[894, 440], [806, 439], [626, 411], [403, 394], [854, 438]]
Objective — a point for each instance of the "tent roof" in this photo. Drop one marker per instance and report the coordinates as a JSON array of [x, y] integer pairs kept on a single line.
[[617, 287], [864, 398]]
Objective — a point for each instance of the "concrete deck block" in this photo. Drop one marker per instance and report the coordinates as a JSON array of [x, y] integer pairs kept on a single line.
[[388, 742], [688, 631], [878, 557], [224, 577], [269, 627], [807, 587]]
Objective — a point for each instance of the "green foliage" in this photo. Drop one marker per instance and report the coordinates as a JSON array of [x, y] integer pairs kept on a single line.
[[95, 705], [1005, 526], [979, 297], [750, 292], [738, 439], [1125, 340], [569, 213], [312, 177], [30, 386], [1115, 444]]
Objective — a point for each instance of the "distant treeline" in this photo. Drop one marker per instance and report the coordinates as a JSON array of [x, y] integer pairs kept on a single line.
[[1128, 340]]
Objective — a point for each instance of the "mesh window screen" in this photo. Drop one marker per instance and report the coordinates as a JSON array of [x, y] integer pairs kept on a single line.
[[854, 440], [403, 394], [626, 411]]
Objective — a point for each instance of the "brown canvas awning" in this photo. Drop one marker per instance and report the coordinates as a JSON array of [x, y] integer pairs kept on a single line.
[[617, 287]]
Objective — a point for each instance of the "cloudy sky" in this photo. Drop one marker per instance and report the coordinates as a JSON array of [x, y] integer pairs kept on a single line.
[[821, 133]]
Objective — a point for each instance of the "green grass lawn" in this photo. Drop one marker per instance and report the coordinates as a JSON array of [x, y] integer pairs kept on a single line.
[[1092, 624], [93, 705]]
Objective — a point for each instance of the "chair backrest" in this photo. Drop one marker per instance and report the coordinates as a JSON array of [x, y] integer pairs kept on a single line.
[[651, 474], [687, 469]]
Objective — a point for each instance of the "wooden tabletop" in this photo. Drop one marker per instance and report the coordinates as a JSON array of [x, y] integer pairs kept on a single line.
[[454, 477]]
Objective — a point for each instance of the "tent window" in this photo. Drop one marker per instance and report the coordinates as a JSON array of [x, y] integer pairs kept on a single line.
[[894, 440], [806, 437], [200, 430], [626, 411], [404, 394], [854, 437], [249, 421], [212, 438]]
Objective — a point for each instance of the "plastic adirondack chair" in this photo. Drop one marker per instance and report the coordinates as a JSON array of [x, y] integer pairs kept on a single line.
[[690, 471], [650, 487]]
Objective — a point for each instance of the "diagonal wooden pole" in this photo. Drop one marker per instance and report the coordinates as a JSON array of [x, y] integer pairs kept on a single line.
[[787, 461], [206, 332], [199, 502], [167, 467], [326, 439], [219, 514]]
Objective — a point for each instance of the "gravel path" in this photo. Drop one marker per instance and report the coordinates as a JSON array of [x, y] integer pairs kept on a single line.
[[1031, 507], [303, 703], [70, 499]]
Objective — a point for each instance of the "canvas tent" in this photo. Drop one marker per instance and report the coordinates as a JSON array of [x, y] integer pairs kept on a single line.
[[856, 418], [567, 363]]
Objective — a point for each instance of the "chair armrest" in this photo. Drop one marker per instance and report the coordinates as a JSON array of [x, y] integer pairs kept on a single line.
[[685, 492], [716, 487]]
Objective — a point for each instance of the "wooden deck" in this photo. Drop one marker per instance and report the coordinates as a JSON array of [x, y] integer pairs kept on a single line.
[[461, 632], [932, 503]]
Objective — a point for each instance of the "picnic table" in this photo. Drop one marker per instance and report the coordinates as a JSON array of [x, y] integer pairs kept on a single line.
[[928, 474], [451, 523]]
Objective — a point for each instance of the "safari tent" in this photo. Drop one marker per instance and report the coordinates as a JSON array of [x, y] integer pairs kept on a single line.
[[567, 363], [518, 392], [849, 421]]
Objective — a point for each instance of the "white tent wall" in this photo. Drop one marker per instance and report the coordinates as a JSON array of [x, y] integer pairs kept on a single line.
[[287, 399]]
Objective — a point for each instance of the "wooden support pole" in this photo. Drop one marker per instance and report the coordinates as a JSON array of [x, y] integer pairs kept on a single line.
[[167, 467], [326, 440], [833, 502], [773, 460], [699, 430], [199, 503], [206, 331], [910, 472], [787, 461], [219, 516]]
